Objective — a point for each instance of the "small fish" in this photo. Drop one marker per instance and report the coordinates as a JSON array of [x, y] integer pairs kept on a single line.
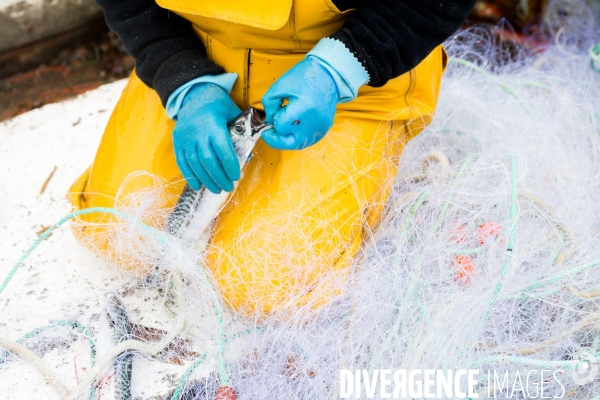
[[195, 210]]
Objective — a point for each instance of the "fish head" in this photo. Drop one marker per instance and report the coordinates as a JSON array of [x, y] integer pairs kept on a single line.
[[245, 131]]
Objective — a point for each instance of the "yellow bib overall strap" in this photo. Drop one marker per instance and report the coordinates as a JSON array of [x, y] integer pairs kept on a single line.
[[261, 56], [291, 229], [271, 15]]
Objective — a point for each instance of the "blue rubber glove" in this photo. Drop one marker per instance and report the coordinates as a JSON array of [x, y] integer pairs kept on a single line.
[[330, 74], [312, 97], [201, 141]]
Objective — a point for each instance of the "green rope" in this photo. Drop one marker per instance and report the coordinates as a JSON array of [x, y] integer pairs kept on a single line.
[[559, 277], [182, 382], [504, 87], [424, 312], [223, 370], [123, 373], [68, 323], [61, 222], [514, 210], [395, 327], [594, 53], [245, 332], [412, 289]]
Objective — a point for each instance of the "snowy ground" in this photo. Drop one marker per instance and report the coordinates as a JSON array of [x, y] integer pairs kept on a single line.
[[42, 153], [62, 138]]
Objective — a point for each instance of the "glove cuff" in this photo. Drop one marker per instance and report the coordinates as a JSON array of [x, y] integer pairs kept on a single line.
[[175, 101], [347, 72]]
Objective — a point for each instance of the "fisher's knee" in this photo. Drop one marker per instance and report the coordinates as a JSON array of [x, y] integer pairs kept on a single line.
[[260, 272]]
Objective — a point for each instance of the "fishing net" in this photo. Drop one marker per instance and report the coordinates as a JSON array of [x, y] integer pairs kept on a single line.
[[485, 258]]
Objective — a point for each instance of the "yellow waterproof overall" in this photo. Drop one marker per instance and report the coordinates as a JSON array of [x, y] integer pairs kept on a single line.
[[290, 231]]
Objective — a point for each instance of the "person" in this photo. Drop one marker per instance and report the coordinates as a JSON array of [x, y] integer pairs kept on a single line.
[[344, 83]]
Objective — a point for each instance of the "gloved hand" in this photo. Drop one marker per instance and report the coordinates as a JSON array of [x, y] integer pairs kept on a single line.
[[203, 148], [312, 96], [329, 74]]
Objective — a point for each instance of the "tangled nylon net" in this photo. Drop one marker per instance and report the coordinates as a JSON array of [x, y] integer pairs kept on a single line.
[[486, 256]]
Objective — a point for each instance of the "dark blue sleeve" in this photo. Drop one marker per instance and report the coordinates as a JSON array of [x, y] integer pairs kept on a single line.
[[167, 51], [391, 37]]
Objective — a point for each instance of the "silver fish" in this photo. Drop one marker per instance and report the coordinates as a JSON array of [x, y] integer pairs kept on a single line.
[[195, 210]]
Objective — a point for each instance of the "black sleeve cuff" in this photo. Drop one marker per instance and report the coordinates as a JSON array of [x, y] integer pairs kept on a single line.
[[345, 36], [180, 69], [391, 37]]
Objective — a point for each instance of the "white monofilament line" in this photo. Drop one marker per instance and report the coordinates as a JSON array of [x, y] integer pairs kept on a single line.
[[430, 291]]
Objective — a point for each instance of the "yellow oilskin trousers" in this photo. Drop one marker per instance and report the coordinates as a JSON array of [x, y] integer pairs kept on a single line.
[[289, 233]]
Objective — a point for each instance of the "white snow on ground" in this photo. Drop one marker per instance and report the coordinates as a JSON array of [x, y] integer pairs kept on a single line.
[[66, 277], [63, 135]]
